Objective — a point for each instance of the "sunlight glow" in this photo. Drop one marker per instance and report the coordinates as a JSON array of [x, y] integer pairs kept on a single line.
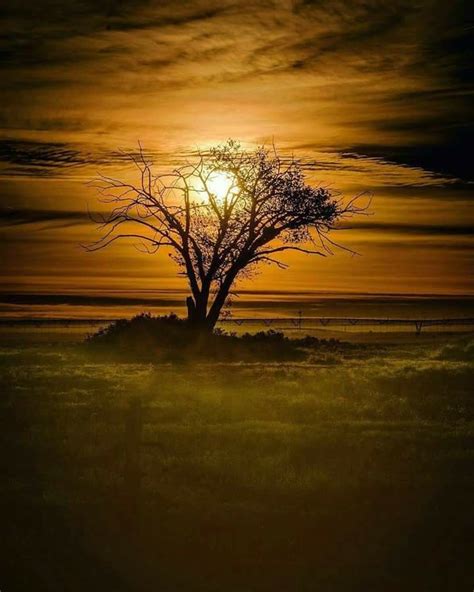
[[220, 184]]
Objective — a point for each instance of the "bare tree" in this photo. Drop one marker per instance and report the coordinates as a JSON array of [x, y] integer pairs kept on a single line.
[[221, 216]]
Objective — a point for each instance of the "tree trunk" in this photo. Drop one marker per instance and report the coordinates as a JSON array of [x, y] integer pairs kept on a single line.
[[197, 315], [215, 311], [223, 293], [191, 309], [219, 300]]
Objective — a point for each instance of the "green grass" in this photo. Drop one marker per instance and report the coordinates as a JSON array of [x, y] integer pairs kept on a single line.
[[352, 471]]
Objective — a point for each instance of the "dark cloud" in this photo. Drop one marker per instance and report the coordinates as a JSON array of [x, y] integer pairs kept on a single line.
[[406, 228], [122, 23], [57, 218], [360, 24], [55, 159], [60, 44], [50, 159], [39, 158], [85, 300], [64, 218], [452, 156], [35, 34], [439, 116], [294, 299], [81, 16]]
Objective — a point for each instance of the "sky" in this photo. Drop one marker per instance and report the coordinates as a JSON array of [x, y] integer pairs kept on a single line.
[[372, 95]]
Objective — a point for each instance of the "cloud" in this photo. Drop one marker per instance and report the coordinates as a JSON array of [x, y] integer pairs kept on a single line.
[[56, 218], [449, 157], [407, 228], [371, 94], [51, 159], [65, 218], [39, 158], [387, 73], [86, 300]]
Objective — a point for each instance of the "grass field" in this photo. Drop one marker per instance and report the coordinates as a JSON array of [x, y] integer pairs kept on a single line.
[[351, 471]]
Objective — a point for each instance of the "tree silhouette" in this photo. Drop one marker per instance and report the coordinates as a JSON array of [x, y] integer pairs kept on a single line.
[[221, 216]]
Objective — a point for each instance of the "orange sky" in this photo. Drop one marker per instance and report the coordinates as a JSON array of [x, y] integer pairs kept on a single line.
[[373, 95]]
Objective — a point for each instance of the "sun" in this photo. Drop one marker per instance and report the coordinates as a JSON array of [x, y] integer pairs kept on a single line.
[[220, 184]]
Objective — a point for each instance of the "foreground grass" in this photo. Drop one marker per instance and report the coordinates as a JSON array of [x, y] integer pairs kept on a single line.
[[346, 473]]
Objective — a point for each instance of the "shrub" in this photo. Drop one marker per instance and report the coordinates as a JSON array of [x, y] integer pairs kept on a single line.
[[169, 338]]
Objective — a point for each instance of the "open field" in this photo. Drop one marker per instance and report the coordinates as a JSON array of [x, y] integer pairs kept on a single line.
[[351, 471]]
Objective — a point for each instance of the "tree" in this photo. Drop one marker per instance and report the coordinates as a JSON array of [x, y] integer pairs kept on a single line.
[[220, 217]]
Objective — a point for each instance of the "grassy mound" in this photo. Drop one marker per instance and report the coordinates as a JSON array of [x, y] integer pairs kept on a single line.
[[169, 338]]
